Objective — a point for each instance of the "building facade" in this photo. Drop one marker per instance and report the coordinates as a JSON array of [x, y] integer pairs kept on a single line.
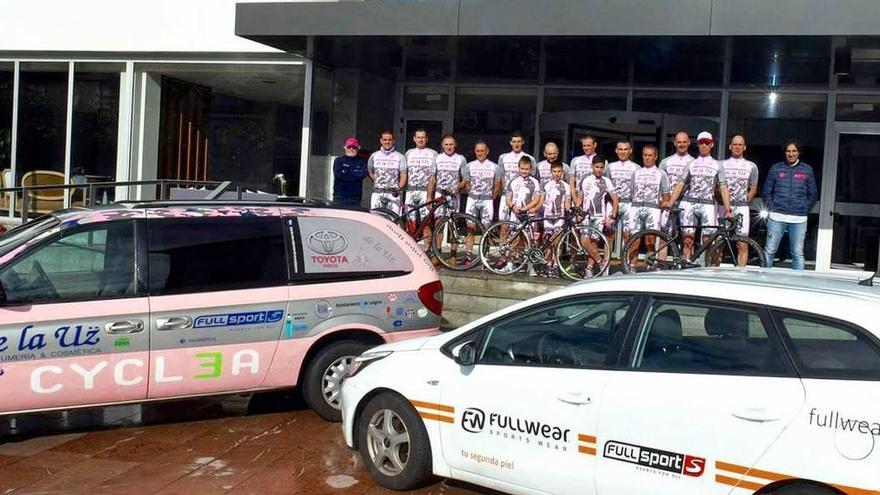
[[244, 91]]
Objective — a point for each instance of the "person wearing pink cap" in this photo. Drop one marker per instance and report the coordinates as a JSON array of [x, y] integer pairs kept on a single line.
[[698, 182], [349, 172]]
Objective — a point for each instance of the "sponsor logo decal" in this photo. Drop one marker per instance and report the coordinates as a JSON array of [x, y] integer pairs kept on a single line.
[[422, 312], [655, 459], [392, 297], [410, 313], [239, 319], [833, 420], [327, 242], [122, 342], [74, 340], [323, 309], [398, 323], [529, 431]]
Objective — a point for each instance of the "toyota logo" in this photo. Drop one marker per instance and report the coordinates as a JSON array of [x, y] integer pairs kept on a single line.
[[327, 242]]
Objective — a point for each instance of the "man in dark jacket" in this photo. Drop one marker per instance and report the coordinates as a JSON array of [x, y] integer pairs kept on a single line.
[[789, 193], [349, 172]]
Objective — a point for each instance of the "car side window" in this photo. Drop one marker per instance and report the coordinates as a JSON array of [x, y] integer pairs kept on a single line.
[[825, 349], [212, 254], [573, 333], [705, 338], [94, 262]]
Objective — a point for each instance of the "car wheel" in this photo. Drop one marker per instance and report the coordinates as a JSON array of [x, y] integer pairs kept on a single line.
[[393, 443], [800, 488], [322, 383]]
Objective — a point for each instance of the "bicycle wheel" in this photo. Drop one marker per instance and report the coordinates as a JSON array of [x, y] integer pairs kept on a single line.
[[725, 252], [450, 238], [387, 215], [638, 256], [504, 255], [583, 252]]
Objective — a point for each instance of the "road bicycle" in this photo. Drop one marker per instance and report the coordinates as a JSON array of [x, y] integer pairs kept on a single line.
[[581, 251], [447, 229], [649, 250]]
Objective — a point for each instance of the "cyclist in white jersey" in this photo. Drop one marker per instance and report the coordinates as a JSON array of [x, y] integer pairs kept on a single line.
[[674, 165], [650, 192], [699, 181], [556, 200], [509, 163], [551, 156], [742, 182], [593, 195], [446, 176], [523, 193], [387, 169], [483, 182], [419, 170], [582, 166], [620, 173]]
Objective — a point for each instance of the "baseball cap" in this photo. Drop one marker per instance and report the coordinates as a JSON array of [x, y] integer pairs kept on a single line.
[[705, 136], [352, 143]]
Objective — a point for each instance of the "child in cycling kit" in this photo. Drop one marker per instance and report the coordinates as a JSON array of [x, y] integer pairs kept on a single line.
[[598, 198], [522, 194], [557, 200]]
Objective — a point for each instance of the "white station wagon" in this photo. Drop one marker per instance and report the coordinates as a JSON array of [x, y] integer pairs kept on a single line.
[[699, 382]]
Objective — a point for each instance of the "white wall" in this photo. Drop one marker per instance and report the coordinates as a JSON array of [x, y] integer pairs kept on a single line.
[[123, 25]]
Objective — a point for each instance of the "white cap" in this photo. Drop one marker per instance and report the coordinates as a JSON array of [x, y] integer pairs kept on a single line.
[[705, 135]]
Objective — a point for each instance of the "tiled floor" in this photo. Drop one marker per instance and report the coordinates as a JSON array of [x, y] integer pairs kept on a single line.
[[266, 446]]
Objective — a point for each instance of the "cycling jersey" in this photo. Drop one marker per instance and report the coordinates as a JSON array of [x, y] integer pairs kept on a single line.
[[701, 177], [674, 166], [420, 167], [482, 177], [596, 192], [448, 172], [648, 185], [521, 191], [387, 167], [741, 174], [581, 167], [543, 172], [509, 163], [555, 195], [621, 175]]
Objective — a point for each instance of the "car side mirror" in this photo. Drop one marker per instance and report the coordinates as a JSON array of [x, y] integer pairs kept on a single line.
[[467, 355]]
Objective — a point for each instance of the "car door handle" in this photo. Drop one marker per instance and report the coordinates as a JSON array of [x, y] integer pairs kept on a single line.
[[576, 398], [757, 414], [174, 323], [125, 326]]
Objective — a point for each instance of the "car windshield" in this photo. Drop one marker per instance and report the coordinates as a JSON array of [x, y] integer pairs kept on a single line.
[[23, 233]]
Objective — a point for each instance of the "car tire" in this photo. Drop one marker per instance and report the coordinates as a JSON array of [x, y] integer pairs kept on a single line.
[[323, 378], [800, 488], [394, 465]]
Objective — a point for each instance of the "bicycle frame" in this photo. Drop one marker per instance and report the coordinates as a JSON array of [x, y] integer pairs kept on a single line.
[[430, 219], [725, 232], [546, 242]]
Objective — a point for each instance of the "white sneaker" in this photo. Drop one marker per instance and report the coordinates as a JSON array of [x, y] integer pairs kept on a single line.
[[532, 272], [508, 267]]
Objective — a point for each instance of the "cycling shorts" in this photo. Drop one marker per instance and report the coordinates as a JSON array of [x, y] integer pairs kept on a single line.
[[742, 227], [385, 200], [415, 198], [700, 214], [551, 225], [441, 210], [642, 218], [480, 208]]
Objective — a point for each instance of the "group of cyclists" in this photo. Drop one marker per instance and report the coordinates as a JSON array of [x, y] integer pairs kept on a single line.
[[621, 196]]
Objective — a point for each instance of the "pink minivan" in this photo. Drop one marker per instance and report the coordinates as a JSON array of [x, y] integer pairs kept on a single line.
[[159, 300]]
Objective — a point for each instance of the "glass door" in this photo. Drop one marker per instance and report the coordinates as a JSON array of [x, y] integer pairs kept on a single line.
[[854, 216]]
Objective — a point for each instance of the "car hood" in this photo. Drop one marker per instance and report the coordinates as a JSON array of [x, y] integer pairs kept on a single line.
[[416, 344]]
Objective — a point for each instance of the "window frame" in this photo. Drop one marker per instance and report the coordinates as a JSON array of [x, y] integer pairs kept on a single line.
[[616, 348], [137, 250], [778, 315], [147, 249], [636, 332]]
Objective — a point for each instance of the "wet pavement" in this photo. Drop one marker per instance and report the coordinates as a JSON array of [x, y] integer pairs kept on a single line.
[[268, 444]]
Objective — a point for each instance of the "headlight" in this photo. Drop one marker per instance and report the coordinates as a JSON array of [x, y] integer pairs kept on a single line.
[[365, 359]]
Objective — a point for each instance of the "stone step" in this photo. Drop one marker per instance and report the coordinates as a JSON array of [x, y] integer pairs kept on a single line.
[[476, 304], [453, 319]]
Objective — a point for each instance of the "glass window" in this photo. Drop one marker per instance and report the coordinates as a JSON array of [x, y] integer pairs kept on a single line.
[[857, 108], [202, 254], [482, 58], [864, 62], [570, 333], [567, 100], [680, 61], [229, 122], [491, 114], [579, 60], [823, 349], [320, 160], [706, 338], [92, 263], [781, 60], [42, 124], [427, 58], [426, 98], [696, 103], [6, 81], [95, 125]]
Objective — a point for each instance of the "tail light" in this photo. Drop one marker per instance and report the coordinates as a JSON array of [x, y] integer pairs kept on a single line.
[[431, 295]]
